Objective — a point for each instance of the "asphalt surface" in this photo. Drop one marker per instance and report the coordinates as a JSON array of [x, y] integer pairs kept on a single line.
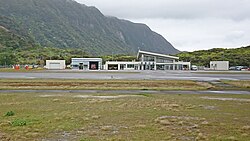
[[125, 92], [133, 75]]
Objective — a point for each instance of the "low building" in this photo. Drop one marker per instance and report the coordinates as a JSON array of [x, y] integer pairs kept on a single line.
[[150, 61], [55, 64], [156, 61], [121, 65], [219, 65], [86, 63]]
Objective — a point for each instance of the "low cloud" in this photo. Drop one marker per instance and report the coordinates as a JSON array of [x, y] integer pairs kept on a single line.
[[190, 35], [174, 9], [189, 25]]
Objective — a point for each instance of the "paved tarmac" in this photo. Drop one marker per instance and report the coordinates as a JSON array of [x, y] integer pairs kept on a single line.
[[125, 92], [133, 75]]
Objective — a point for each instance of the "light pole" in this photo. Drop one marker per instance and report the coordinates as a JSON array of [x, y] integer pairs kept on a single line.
[[112, 56], [5, 61]]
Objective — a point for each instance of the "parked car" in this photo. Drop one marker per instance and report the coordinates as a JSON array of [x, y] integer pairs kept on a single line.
[[244, 68], [239, 68], [232, 68], [194, 67]]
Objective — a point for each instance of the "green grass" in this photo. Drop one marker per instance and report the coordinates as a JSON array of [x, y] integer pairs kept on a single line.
[[244, 84], [223, 72], [55, 116], [64, 71], [21, 70], [60, 84]]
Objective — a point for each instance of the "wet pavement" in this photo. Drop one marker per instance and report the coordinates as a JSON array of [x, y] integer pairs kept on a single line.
[[125, 92], [133, 75]]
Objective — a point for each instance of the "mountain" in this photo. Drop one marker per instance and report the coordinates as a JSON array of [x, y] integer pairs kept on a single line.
[[18, 49], [68, 24]]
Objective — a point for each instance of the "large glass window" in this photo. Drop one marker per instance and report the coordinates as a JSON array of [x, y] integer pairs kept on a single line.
[[131, 66], [149, 58], [160, 67], [163, 60]]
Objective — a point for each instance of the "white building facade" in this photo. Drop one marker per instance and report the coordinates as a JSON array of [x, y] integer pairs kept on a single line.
[[86, 63], [149, 61], [55, 64], [121, 65], [219, 65]]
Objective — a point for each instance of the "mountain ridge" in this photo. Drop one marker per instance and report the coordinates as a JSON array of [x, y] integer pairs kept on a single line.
[[68, 24]]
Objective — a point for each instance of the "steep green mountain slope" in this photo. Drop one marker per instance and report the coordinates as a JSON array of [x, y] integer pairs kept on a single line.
[[16, 49], [238, 56], [68, 24]]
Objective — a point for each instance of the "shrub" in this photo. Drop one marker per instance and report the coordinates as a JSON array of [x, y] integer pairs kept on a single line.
[[19, 122], [10, 113]]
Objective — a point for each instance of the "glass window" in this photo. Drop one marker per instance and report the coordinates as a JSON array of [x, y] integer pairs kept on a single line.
[[130, 65]]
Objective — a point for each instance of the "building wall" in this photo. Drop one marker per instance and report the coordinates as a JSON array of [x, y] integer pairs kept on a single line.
[[86, 63], [120, 65], [55, 64], [117, 65], [219, 65]]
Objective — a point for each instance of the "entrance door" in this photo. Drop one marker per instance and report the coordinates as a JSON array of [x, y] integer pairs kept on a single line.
[[93, 65], [122, 66], [81, 66]]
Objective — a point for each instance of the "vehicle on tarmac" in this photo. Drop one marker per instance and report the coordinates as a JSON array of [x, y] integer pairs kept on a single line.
[[194, 67], [239, 68]]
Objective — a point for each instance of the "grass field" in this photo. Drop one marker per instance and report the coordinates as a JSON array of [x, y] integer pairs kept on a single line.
[[39, 70], [56, 84], [21, 70], [86, 117], [244, 84], [223, 72]]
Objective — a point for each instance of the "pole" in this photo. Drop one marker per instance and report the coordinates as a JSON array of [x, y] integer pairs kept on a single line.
[[5, 63], [112, 56]]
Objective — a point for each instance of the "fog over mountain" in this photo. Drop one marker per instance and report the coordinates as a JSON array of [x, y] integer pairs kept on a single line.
[[190, 24]]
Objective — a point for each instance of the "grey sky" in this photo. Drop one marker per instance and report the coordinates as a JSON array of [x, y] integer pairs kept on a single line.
[[188, 24]]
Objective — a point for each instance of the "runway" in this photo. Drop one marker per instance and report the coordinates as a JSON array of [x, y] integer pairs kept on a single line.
[[125, 92], [132, 75]]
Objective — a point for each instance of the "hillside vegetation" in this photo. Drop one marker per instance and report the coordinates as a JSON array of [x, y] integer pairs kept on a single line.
[[238, 56], [15, 49]]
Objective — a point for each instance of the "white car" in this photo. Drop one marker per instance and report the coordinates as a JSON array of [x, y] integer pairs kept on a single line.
[[194, 67]]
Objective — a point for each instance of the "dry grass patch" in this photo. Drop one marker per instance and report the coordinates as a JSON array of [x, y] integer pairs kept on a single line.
[[64, 116], [103, 84]]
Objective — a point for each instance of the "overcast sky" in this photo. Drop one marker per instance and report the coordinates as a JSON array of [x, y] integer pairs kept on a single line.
[[188, 24]]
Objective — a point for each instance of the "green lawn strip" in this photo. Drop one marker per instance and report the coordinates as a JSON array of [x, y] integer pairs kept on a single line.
[[39, 70], [244, 84], [135, 117], [222, 72], [21, 70]]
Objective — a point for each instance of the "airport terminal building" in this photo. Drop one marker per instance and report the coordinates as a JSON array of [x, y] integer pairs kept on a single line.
[[145, 61], [149, 61]]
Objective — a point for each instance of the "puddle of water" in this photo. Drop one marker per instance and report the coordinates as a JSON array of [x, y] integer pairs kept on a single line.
[[178, 117], [56, 95], [106, 97], [226, 99]]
